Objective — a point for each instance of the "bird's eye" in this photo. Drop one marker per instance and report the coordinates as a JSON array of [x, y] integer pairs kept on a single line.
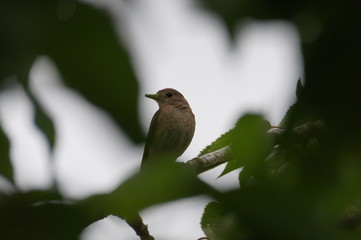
[[169, 94]]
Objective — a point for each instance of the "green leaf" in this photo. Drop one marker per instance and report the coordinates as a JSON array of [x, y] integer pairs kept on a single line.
[[276, 160], [6, 168], [229, 11], [299, 89], [217, 223], [104, 74], [274, 212], [158, 182], [286, 119], [233, 12], [222, 141], [250, 144], [40, 215], [85, 46], [42, 120]]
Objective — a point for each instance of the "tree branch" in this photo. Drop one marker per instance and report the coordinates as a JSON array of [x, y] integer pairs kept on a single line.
[[139, 227], [300, 134], [210, 160]]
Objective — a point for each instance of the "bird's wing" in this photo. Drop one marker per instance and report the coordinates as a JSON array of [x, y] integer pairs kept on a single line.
[[150, 137]]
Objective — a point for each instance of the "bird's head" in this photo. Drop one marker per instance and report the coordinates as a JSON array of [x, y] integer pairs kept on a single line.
[[168, 96]]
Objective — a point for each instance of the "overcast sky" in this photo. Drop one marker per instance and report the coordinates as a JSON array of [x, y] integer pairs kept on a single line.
[[173, 44]]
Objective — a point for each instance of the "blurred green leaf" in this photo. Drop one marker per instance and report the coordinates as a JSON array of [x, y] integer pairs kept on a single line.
[[222, 141], [43, 121], [104, 74], [28, 216], [158, 182], [299, 89], [330, 52], [6, 168], [83, 43], [308, 199], [219, 224], [333, 75], [276, 160], [250, 144], [270, 212], [233, 12], [286, 119], [282, 156]]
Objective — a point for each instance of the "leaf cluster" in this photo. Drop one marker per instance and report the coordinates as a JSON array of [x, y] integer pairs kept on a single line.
[[287, 189]]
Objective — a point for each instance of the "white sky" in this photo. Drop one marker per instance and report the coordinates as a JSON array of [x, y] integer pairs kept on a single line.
[[173, 44]]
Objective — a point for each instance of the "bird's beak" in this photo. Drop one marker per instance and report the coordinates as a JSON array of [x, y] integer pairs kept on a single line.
[[152, 96]]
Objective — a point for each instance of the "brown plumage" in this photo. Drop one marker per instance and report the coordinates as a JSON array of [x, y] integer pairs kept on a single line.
[[172, 127]]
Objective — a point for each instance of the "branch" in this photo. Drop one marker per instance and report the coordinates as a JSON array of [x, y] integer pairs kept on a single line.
[[139, 227], [300, 134], [210, 160]]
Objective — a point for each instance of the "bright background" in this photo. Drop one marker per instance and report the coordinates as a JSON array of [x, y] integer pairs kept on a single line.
[[173, 43]]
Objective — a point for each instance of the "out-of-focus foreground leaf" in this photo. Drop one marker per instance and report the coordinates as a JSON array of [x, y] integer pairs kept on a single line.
[[250, 145], [222, 141], [332, 89], [317, 195], [232, 12], [28, 216], [5, 163], [270, 211], [218, 223], [44, 215], [287, 117], [82, 42], [330, 45], [44, 122], [156, 183]]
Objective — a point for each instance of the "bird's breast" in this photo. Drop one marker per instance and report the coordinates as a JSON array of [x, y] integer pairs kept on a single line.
[[176, 130]]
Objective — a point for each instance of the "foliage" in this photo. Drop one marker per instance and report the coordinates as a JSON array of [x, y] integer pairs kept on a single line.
[[5, 164], [218, 223], [250, 129], [220, 142], [83, 43], [307, 190], [292, 108]]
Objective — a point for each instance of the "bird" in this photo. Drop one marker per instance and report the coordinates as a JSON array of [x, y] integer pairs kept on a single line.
[[172, 127]]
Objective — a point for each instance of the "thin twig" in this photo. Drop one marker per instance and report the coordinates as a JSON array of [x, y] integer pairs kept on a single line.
[[139, 227]]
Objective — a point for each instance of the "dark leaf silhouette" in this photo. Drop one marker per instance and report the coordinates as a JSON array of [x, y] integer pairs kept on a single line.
[[84, 45], [5, 164]]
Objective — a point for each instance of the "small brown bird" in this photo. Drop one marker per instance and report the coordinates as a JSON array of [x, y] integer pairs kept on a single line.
[[172, 127]]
